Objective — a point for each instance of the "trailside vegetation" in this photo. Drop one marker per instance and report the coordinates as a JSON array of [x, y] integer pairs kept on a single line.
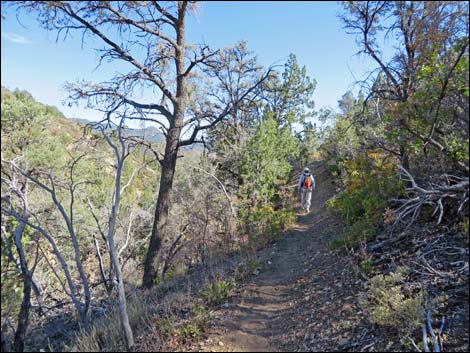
[[399, 153], [78, 200], [112, 241]]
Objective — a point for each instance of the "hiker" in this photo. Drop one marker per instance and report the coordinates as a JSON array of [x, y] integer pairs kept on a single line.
[[306, 186]]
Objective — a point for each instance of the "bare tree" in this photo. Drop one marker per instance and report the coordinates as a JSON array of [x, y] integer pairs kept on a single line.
[[29, 217], [22, 263], [26, 216], [151, 38], [121, 152], [15, 185]]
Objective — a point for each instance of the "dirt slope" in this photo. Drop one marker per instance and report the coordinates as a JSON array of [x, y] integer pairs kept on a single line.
[[302, 287]]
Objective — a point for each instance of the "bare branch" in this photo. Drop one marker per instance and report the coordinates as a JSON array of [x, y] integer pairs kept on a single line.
[[124, 55], [129, 228], [228, 109], [433, 197]]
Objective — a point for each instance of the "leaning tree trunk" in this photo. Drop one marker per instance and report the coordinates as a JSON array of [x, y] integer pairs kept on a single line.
[[169, 161], [23, 315], [124, 317], [404, 159]]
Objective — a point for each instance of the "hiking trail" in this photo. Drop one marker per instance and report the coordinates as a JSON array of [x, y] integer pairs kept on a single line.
[[302, 286]]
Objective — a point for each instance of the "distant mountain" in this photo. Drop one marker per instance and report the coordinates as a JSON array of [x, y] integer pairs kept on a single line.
[[151, 133]]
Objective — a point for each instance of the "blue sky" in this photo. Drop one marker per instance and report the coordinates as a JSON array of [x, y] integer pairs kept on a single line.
[[32, 59]]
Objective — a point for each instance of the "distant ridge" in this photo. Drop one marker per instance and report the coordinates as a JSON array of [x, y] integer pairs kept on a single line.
[[151, 133]]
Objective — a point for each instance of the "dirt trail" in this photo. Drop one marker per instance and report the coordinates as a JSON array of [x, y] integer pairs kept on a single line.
[[264, 315]]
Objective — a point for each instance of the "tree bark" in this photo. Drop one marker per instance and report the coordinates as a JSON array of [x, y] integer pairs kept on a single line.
[[404, 159], [169, 161], [161, 212], [122, 304], [125, 325], [23, 315]]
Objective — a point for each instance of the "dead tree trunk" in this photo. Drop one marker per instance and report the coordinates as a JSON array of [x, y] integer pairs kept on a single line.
[[23, 316], [120, 155]]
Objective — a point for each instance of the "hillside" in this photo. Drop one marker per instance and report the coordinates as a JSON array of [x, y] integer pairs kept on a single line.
[[55, 120], [305, 296], [176, 225], [300, 292]]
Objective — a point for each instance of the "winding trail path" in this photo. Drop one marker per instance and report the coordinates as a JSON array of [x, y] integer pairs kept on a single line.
[[295, 288]]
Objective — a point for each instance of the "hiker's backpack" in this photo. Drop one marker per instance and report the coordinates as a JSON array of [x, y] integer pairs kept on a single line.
[[308, 182]]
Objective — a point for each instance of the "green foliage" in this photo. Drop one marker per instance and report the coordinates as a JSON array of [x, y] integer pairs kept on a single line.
[[367, 266], [339, 146], [266, 168], [370, 181], [266, 160], [175, 271], [215, 293], [309, 144], [189, 330], [420, 121], [12, 279], [438, 100], [256, 148], [359, 231], [389, 306], [264, 223], [41, 141], [465, 224], [197, 324], [459, 148], [11, 286], [245, 269], [292, 97], [36, 132]]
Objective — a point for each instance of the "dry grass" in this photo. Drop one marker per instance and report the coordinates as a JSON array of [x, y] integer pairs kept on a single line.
[[105, 334]]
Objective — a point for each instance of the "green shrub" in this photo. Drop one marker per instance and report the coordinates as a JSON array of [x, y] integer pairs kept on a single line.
[[465, 225], [265, 221], [175, 271], [367, 266], [215, 293], [197, 324], [245, 268], [333, 169], [346, 205], [370, 182], [389, 306], [189, 330]]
